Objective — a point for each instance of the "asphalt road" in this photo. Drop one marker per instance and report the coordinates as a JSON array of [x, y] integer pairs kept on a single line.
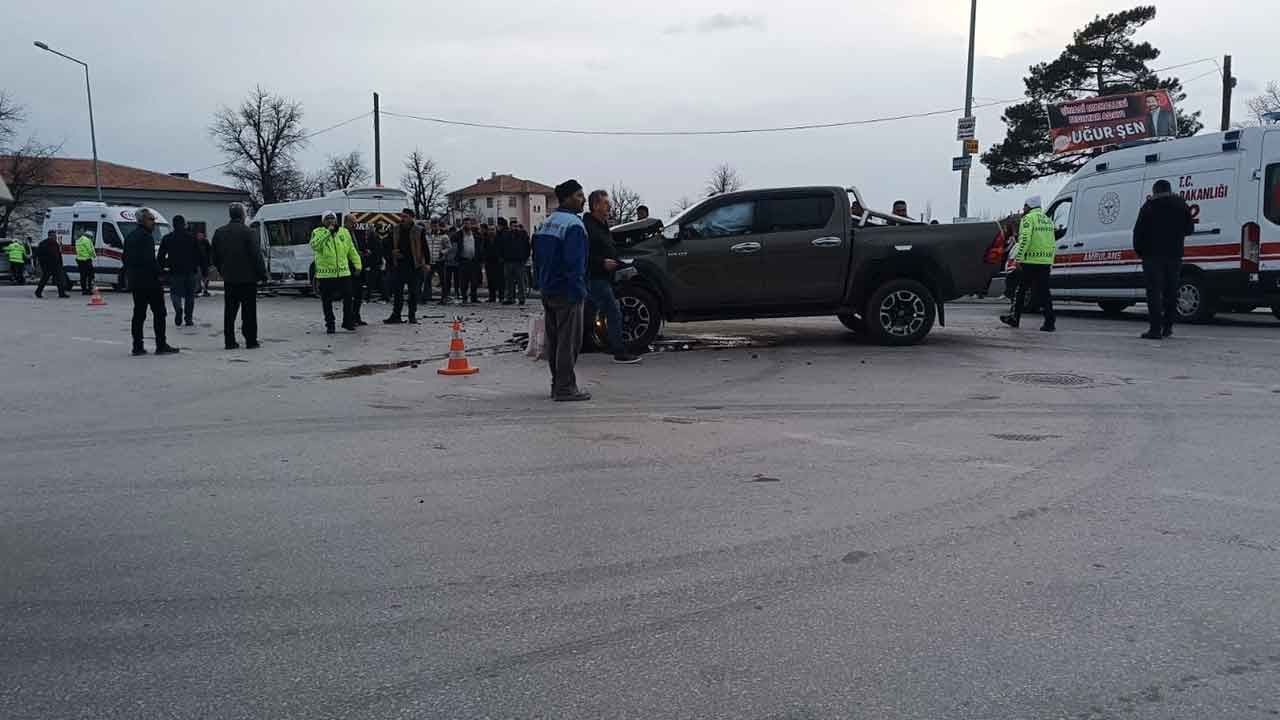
[[996, 524]]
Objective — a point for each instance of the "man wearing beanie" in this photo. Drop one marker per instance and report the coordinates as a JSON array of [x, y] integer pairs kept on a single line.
[[561, 248]]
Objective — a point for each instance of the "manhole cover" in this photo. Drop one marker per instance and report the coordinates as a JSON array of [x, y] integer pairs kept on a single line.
[[1022, 437], [1049, 379]]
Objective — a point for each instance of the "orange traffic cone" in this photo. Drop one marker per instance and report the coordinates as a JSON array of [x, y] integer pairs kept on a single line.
[[458, 364], [96, 300]]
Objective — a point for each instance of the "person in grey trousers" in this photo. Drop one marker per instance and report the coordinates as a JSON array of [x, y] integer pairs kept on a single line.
[[561, 247]]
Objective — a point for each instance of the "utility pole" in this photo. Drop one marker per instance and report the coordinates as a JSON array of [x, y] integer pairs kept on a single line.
[[968, 107], [1228, 83], [88, 90], [377, 144]]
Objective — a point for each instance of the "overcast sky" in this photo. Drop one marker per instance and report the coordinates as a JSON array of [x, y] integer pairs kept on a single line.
[[160, 70]]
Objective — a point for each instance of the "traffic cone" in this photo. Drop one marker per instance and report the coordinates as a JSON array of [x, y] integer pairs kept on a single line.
[[96, 300], [458, 364]]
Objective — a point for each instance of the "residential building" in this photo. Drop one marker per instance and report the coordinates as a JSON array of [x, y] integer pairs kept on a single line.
[[505, 196], [204, 205]]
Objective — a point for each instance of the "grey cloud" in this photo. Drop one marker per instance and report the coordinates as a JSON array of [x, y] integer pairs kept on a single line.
[[718, 22]]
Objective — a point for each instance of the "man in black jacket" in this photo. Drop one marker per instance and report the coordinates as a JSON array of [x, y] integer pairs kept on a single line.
[[143, 273], [515, 253], [180, 256], [602, 262], [238, 257], [492, 238], [1163, 225], [49, 255]]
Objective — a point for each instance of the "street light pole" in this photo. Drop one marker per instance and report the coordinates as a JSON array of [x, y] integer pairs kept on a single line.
[[968, 108], [88, 90]]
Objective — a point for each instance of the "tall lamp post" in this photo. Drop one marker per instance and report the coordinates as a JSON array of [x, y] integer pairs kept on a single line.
[[93, 136], [968, 106]]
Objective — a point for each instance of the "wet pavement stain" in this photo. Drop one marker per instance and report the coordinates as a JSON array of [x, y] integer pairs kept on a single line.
[[369, 369], [855, 557]]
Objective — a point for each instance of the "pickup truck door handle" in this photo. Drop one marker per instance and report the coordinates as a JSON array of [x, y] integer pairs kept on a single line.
[[1079, 244], [745, 248], [1062, 247], [827, 242]]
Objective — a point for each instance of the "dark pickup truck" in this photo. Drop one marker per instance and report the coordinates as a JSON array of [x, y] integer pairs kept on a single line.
[[799, 252]]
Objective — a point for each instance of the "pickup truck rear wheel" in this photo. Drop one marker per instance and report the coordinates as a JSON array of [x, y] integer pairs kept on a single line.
[[900, 312], [641, 318]]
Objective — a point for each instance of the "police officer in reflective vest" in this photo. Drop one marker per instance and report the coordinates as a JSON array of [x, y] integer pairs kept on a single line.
[[17, 253], [85, 252], [1034, 256]]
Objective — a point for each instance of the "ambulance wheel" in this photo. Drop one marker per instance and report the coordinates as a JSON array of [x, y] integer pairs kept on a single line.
[[1195, 302], [1114, 308]]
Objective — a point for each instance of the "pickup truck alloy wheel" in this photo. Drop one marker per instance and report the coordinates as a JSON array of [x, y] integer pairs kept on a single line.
[[641, 320], [901, 312]]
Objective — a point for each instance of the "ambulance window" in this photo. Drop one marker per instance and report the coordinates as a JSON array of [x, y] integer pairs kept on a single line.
[[278, 233], [1061, 214], [80, 228], [110, 236], [1271, 199]]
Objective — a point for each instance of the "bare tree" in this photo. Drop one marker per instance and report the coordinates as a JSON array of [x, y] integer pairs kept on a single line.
[[424, 180], [25, 169], [684, 203], [345, 171], [1267, 102], [623, 204], [259, 139], [724, 179], [11, 116]]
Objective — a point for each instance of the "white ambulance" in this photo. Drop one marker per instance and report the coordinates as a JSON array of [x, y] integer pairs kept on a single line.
[[284, 229], [1230, 180], [108, 224]]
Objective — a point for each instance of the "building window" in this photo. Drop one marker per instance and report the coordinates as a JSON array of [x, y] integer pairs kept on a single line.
[[511, 201], [537, 208], [488, 202]]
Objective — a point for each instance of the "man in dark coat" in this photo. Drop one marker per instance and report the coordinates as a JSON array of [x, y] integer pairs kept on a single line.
[[1163, 225], [602, 262], [49, 255], [492, 238], [238, 257], [143, 273], [515, 253], [180, 256]]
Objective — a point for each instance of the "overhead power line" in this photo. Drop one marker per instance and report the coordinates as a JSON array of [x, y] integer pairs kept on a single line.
[[661, 133], [1185, 64], [308, 136]]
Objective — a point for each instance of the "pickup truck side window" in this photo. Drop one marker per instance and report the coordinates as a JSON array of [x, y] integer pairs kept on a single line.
[[806, 212], [733, 219], [1271, 194], [1061, 214]]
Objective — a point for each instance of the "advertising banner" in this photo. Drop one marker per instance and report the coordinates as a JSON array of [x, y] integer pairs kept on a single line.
[[1081, 125]]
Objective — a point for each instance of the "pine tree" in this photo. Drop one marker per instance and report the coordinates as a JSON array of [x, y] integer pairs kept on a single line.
[[1102, 59]]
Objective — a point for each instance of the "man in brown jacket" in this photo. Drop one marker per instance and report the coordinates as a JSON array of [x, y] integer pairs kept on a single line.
[[407, 259]]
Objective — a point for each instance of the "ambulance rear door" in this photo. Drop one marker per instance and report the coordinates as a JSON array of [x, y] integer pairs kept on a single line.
[[1269, 203]]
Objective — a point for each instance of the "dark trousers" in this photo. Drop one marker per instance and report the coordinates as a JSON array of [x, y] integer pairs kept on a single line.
[[15, 273], [59, 280], [514, 274], [357, 294], [86, 275], [469, 279], [235, 298], [564, 340], [1035, 278], [493, 274], [449, 283], [182, 293], [1162, 275], [373, 283], [601, 292], [336, 289], [404, 276], [149, 298]]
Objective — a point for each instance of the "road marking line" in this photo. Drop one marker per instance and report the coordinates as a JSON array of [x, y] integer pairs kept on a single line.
[[96, 340], [1222, 499]]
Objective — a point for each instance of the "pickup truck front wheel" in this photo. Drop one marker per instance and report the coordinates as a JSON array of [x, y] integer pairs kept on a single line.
[[900, 312], [641, 319]]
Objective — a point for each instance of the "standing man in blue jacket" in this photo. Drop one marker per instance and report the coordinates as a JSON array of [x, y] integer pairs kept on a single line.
[[561, 248]]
